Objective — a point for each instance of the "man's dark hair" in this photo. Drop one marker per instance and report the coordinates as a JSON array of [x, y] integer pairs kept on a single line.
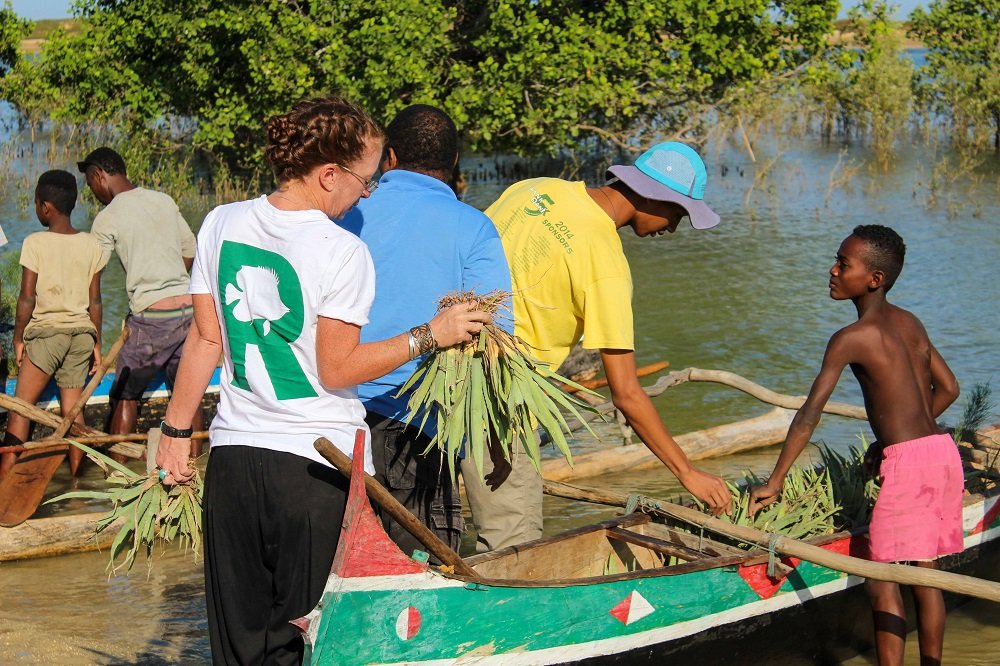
[[105, 159], [886, 250], [58, 188], [425, 140]]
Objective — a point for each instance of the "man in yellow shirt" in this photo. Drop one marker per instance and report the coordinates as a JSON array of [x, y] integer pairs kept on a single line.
[[571, 281]]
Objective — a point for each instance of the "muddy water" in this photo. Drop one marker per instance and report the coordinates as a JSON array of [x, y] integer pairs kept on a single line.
[[749, 297]]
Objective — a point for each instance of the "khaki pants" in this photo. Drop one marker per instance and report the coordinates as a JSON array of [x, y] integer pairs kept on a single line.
[[510, 515]]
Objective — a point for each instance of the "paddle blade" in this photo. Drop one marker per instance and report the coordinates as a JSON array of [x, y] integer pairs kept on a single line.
[[22, 489]]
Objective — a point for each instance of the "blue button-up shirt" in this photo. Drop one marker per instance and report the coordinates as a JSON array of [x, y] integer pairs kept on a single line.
[[425, 244]]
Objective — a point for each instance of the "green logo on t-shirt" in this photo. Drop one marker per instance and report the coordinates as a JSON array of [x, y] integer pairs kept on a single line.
[[539, 200], [262, 303]]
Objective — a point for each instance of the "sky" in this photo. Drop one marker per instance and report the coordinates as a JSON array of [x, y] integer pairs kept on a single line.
[[38, 9]]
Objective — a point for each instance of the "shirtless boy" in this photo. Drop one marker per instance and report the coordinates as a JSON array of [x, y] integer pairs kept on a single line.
[[906, 386]]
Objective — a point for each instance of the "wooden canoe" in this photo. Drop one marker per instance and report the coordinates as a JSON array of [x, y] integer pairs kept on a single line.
[[630, 590], [157, 389]]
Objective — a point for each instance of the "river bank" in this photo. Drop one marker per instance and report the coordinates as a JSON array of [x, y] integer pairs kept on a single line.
[[749, 296]]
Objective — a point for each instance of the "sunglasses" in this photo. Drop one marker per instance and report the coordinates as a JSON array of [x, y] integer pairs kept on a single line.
[[369, 184]]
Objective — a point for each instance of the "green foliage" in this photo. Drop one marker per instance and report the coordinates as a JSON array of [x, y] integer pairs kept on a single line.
[[866, 86], [979, 407], [853, 487], [530, 76], [13, 29], [837, 495], [143, 510], [807, 506], [491, 388], [10, 286], [961, 80]]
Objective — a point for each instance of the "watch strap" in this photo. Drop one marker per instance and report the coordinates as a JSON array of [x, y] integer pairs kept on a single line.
[[171, 431]]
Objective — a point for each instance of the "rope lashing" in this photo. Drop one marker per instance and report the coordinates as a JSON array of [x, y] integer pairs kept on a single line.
[[772, 542]]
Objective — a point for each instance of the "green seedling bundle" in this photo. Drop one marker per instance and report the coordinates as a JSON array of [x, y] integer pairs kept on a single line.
[[491, 388]]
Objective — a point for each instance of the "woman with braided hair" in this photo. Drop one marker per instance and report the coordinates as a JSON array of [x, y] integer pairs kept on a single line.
[[281, 292]]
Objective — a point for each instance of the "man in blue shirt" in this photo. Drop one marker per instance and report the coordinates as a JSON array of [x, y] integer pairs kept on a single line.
[[425, 243]]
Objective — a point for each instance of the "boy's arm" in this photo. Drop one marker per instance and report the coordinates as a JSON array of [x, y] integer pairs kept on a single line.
[[96, 310], [25, 306], [628, 397], [944, 386], [805, 421]]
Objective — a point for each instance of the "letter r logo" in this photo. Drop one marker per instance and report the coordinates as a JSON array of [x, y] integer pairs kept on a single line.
[[262, 305]]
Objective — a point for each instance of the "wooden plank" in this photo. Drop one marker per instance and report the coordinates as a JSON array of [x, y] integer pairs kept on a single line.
[[764, 430], [707, 546], [58, 535], [895, 573], [654, 544], [22, 489]]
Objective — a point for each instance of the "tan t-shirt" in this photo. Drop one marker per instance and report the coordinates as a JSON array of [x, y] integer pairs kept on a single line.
[[151, 238], [66, 265]]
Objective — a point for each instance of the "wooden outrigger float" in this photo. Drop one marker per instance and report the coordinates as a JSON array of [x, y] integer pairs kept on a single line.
[[42, 537], [158, 390], [635, 589]]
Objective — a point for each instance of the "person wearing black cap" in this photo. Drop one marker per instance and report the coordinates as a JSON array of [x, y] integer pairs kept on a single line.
[[156, 248], [571, 282]]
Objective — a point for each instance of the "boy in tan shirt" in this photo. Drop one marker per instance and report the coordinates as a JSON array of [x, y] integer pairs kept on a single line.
[[57, 327]]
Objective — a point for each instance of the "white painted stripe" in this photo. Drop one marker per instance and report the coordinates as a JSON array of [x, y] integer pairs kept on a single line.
[[981, 538], [414, 581], [974, 514]]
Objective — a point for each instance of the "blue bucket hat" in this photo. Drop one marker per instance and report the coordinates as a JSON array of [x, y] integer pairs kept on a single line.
[[673, 172]]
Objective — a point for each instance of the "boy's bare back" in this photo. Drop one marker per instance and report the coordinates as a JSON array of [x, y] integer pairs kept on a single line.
[[898, 369]]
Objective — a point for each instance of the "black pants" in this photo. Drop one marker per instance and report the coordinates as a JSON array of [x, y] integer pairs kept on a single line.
[[420, 482], [272, 523]]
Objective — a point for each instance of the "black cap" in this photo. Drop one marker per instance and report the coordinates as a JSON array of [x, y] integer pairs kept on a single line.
[[105, 159]]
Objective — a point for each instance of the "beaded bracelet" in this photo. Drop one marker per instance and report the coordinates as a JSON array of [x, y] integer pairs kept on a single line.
[[424, 339]]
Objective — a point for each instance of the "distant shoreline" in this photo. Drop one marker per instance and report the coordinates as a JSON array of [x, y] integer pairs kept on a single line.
[[838, 37], [43, 27]]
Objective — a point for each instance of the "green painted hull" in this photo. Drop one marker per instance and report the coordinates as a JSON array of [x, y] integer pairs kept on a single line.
[[381, 608]]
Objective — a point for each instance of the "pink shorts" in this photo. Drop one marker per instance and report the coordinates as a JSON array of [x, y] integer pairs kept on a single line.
[[918, 514]]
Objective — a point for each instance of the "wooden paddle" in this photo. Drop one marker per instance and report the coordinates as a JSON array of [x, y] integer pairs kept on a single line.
[[130, 451], [400, 513], [895, 573], [22, 489], [592, 384]]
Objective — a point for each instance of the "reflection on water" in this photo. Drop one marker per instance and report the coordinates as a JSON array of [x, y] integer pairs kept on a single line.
[[971, 638], [65, 610], [749, 297]]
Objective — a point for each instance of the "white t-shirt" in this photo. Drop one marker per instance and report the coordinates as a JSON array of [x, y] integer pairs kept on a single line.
[[272, 273]]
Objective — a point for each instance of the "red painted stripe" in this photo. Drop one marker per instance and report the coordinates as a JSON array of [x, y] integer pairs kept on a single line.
[[365, 549], [991, 515], [413, 625]]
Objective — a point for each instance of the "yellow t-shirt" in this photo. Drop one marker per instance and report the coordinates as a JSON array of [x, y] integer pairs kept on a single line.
[[570, 276], [66, 265]]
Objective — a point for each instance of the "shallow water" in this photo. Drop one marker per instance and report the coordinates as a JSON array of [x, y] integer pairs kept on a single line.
[[749, 297]]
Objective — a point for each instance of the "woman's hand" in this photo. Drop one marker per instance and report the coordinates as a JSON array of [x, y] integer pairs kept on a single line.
[[173, 455], [458, 323]]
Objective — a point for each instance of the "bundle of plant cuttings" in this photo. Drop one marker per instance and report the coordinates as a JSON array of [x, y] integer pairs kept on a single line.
[[151, 511], [806, 508], [854, 488], [494, 388]]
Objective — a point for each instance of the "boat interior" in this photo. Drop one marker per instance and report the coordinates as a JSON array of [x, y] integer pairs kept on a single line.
[[634, 545], [631, 546]]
